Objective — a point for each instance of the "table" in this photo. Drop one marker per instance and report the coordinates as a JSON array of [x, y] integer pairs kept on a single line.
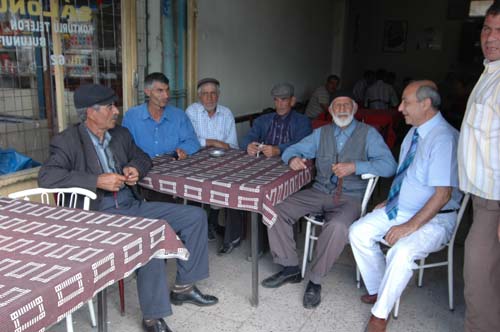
[[53, 260], [235, 180], [385, 121]]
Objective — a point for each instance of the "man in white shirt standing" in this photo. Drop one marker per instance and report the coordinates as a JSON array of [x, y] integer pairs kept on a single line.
[[215, 127], [479, 175]]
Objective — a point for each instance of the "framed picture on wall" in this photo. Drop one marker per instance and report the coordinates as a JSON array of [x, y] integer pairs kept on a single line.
[[395, 32]]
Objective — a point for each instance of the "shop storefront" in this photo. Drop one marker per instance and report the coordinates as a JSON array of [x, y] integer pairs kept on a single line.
[[48, 49]]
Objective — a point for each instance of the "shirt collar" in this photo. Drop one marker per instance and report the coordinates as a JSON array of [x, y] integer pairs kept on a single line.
[[95, 139], [146, 115], [427, 126], [347, 131], [491, 66], [282, 117], [204, 110]]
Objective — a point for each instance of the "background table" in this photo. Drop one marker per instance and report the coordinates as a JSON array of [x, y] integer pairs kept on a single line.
[[235, 180], [53, 260]]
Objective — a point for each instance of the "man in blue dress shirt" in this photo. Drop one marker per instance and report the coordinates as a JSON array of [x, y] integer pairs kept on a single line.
[[343, 150], [419, 214], [157, 127]]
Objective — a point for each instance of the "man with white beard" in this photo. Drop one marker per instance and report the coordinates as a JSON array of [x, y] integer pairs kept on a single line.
[[343, 150]]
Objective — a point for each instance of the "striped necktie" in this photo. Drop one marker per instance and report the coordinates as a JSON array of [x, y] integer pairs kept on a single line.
[[391, 208]]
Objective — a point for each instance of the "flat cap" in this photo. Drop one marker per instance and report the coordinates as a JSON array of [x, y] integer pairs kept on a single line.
[[93, 94], [282, 90], [342, 93], [207, 80]]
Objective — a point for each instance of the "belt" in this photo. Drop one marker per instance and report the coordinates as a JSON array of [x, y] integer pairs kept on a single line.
[[447, 211]]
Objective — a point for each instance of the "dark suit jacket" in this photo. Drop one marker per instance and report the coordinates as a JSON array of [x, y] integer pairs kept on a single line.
[[73, 161]]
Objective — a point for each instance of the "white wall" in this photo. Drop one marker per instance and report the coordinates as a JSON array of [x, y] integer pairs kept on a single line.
[[251, 45]]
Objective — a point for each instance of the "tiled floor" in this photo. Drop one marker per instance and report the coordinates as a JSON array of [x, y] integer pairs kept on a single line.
[[422, 309]]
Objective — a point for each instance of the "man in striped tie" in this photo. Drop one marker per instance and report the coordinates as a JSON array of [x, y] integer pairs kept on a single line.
[[419, 214]]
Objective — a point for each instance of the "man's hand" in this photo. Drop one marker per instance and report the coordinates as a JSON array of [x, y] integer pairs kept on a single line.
[[380, 205], [181, 153], [216, 143], [111, 181], [297, 163], [132, 175], [253, 148], [270, 150], [397, 232], [343, 169]]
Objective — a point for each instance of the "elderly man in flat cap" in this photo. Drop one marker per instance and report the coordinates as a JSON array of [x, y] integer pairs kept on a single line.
[[272, 133], [214, 125], [101, 156], [159, 128], [343, 151]]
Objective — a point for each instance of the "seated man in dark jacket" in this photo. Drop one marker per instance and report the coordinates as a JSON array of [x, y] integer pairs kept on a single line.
[[101, 156], [272, 133]]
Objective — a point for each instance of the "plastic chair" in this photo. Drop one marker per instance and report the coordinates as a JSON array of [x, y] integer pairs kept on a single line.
[[318, 220], [449, 262], [62, 197]]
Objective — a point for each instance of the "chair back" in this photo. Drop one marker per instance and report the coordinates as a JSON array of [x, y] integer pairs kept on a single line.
[[372, 182], [61, 196], [461, 211]]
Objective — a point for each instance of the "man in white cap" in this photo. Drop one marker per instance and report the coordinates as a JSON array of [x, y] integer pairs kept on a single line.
[[215, 127], [343, 151]]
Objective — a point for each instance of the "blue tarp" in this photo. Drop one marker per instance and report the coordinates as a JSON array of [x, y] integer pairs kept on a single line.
[[12, 161]]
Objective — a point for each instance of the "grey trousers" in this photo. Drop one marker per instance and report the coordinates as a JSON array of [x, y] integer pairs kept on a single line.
[[339, 216], [190, 224], [482, 268]]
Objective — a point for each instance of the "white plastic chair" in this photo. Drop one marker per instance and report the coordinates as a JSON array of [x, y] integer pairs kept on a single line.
[[60, 197], [449, 262], [313, 221]]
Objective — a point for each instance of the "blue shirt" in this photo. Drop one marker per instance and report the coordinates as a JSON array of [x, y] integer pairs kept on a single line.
[[434, 165], [380, 160], [299, 127], [104, 153], [174, 130]]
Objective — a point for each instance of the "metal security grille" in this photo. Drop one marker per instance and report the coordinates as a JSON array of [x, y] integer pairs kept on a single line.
[[48, 51]]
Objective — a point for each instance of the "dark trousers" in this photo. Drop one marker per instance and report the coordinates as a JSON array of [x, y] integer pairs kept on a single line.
[[482, 268], [190, 224], [233, 226], [339, 215]]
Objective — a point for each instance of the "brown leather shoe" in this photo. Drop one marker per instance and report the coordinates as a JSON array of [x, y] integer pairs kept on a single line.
[[376, 324], [369, 299]]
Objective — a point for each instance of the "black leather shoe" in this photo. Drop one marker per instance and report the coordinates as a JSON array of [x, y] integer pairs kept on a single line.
[[227, 248], [312, 296], [155, 325], [279, 279], [194, 297]]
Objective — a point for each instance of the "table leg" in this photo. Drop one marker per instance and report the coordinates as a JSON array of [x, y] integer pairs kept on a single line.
[[255, 260], [102, 311]]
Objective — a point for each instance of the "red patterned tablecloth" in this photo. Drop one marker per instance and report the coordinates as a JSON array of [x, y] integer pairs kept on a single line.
[[53, 260], [235, 180]]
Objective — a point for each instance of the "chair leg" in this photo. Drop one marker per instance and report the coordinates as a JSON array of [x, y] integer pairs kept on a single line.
[[358, 277], [306, 248], [311, 245], [69, 323], [93, 321], [396, 310], [450, 281], [421, 272], [121, 289]]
